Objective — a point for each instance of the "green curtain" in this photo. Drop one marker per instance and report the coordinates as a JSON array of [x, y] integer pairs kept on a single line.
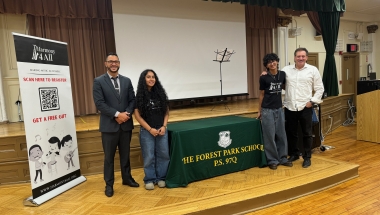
[[330, 28], [305, 5]]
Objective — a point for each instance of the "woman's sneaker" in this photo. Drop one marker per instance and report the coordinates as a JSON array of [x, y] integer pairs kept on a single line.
[[161, 184], [149, 186]]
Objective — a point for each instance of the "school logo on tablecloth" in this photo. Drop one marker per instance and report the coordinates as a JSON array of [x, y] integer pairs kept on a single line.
[[224, 139]]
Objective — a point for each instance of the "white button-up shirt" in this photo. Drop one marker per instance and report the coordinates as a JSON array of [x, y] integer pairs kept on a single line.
[[299, 87]]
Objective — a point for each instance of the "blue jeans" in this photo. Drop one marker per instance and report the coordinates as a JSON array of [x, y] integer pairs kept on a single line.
[[274, 136], [155, 151]]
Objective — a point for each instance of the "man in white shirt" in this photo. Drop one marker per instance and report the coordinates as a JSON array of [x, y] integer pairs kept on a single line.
[[301, 80]]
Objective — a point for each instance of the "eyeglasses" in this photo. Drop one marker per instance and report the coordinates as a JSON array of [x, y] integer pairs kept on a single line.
[[113, 62]]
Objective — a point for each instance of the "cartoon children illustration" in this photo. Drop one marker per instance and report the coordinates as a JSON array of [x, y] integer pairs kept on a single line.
[[35, 154], [67, 143], [54, 148]]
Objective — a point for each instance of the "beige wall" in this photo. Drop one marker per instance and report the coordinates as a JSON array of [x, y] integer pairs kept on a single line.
[[10, 23]]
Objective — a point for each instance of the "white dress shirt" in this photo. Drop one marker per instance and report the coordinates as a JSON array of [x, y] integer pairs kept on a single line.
[[299, 87]]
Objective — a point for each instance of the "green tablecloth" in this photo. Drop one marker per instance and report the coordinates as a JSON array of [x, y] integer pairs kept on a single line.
[[203, 148]]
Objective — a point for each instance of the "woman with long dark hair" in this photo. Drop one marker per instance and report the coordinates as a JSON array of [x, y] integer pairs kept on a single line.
[[152, 112]]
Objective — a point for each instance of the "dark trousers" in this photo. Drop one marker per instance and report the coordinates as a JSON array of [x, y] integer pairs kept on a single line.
[[112, 140], [304, 117]]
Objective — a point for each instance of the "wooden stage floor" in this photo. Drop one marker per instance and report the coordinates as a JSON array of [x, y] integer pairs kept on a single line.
[[236, 193]]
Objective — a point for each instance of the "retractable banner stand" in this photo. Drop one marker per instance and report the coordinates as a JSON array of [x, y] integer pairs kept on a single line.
[[52, 146]]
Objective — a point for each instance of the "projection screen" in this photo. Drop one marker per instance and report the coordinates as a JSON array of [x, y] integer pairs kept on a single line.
[[177, 39]]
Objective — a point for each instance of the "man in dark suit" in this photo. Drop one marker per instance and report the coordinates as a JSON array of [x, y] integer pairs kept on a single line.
[[114, 97]]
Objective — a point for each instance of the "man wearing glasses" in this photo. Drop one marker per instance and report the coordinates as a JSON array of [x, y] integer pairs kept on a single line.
[[114, 97]]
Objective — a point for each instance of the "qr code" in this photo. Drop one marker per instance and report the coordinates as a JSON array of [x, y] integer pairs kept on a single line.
[[49, 98]]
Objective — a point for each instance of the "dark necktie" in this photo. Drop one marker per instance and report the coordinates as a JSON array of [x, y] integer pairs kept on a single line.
[[115, 84]]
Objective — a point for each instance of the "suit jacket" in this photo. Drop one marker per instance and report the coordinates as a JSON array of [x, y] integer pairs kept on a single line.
[[108, 101]]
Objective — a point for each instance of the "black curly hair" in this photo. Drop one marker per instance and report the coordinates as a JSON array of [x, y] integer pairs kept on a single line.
[[143, 96], [270, 58]]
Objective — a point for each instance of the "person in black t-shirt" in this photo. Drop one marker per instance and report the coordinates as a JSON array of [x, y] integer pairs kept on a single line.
[[272, 114], [152, 112]]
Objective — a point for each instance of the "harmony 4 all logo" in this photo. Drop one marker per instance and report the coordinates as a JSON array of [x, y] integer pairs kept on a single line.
[[42, 54], [224, 139]]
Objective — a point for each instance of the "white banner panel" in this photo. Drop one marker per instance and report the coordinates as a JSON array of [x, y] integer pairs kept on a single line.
[[45, 87]]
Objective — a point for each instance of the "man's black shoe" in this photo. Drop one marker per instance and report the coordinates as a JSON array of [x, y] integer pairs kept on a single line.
[[306, 163], [109, 191], [272, 166], [287, 163], [131, 182], [293, 158]]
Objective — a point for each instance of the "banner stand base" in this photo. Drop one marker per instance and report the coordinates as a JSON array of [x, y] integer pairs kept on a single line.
[[46, 197]]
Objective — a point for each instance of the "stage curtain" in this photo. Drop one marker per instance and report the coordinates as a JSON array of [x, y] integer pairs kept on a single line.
[[97, 9], [260, 22], [85, 25], [314, 19], [330, 28], [305, 5]]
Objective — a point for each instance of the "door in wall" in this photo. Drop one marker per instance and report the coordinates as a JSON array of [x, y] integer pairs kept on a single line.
[[350, 73], [313, 59]]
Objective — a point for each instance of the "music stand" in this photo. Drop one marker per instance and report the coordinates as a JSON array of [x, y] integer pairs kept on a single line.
[[222, 56], [18, 103]]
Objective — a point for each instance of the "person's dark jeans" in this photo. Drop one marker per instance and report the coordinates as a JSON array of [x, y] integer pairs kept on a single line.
[[304, 117]]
